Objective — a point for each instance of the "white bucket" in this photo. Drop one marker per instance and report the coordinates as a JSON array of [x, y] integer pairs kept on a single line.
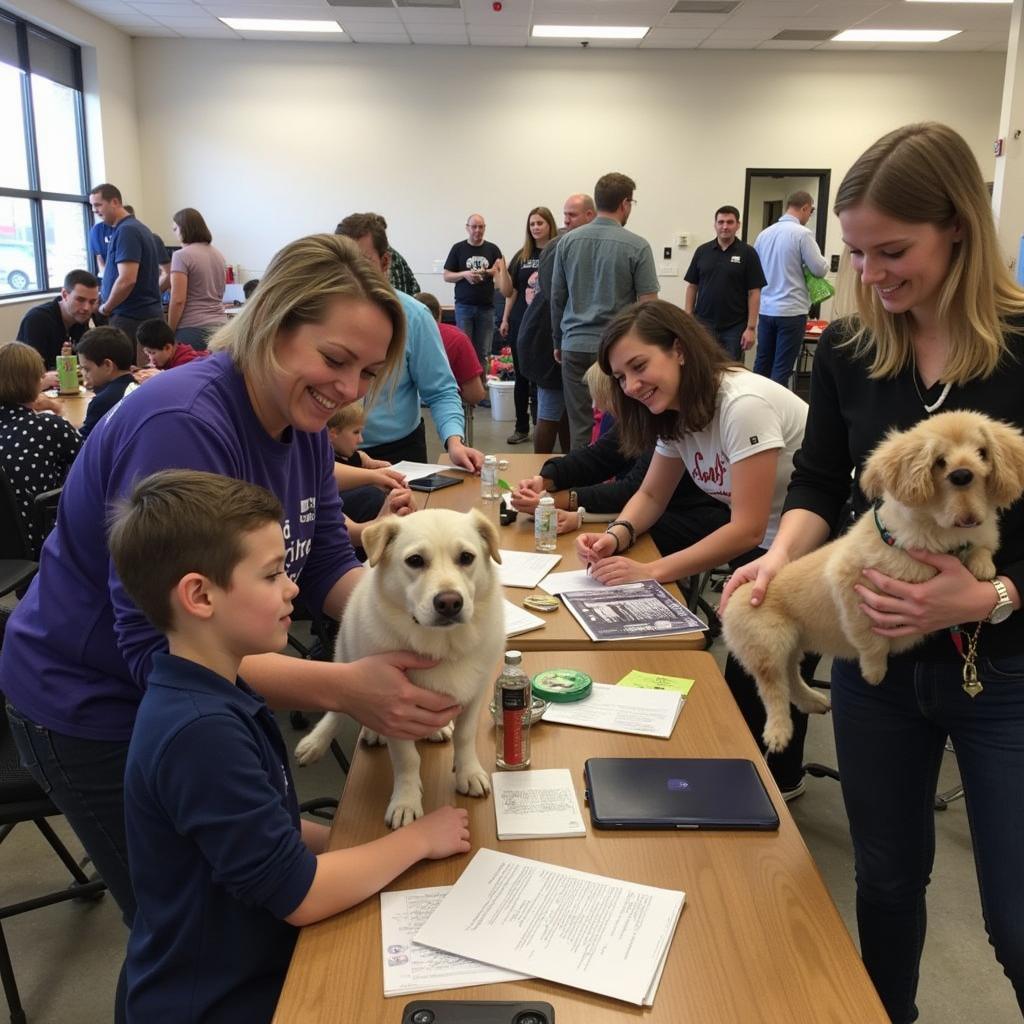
[[503, 403]]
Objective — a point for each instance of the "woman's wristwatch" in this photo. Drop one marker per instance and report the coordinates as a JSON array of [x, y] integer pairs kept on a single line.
[[1004, 605]]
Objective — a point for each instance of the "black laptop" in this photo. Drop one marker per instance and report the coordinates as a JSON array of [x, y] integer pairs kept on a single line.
[[677, 793]]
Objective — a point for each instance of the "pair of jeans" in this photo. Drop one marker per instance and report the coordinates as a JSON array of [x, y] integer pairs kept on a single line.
[[778, 344], [889, 745], [578, 403], [197, 337], [478, 323], [85, 780], [411, 448], [731, 338]]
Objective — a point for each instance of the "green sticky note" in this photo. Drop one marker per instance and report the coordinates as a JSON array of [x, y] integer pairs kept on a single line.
[[654, 681], [504, 484]]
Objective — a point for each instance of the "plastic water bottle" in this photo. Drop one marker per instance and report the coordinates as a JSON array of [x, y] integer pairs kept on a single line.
[[513, 700], [545, 525], [489, 490]]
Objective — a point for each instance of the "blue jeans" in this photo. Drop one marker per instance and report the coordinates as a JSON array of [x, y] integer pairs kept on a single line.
[[778, 344], [889, 745], [85, 780], [478, 323], [197, 337], [730, 339]]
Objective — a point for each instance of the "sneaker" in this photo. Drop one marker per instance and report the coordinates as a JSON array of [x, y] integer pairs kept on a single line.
[[484, 403], [791, 794], [517, 437]]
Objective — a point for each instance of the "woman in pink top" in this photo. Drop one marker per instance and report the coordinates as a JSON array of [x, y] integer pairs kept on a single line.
[[198, 274]]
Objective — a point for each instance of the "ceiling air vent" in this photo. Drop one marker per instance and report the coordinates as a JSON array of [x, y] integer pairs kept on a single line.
[[705, 6], [806, 35]]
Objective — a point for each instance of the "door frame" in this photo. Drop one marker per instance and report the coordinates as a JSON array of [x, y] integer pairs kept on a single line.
[[824, 176]]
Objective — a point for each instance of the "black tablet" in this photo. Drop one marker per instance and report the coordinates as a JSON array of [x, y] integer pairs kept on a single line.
[[434, 482]]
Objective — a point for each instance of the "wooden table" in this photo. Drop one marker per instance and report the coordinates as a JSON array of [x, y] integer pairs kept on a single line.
[[561, 631], [759, 940], [75, 406]]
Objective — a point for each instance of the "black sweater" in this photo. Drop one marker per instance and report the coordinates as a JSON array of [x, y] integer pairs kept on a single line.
[[850, 414]]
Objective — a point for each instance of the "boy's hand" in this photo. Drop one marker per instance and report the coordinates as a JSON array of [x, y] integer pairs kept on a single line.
[[443, 832], [369, 463], [386, 479]]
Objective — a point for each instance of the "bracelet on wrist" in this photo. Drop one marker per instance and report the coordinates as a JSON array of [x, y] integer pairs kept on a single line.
[[628, 527], [573, 501]]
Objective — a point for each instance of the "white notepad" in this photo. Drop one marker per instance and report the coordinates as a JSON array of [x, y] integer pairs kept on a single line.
[[591, 932], [519, 620], [525, 568], [537, 804]]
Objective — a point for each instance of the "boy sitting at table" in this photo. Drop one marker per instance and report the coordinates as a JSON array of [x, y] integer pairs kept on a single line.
[[158, 342], [105, 355], [223, 868]]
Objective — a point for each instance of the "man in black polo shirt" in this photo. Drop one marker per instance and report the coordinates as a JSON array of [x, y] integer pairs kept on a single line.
[[64, 319], [724, 285]]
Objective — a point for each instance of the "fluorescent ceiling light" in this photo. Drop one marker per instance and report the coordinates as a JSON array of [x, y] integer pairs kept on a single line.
[[280, 25], [590, 31], [895, 35]]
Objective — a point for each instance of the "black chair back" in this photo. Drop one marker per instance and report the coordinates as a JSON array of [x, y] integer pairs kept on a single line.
[[14, 542]]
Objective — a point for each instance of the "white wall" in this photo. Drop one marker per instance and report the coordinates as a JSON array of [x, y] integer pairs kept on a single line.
[[272, 140], [766, 190], [110, 114]]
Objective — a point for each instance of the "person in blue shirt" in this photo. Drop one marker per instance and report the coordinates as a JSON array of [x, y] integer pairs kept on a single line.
[[106, 355], [394, 429], [224, 868]]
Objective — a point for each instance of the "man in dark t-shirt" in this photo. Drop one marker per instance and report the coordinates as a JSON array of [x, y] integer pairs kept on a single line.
[[471, 266], [49, 326], [130, 290], [723, 285]]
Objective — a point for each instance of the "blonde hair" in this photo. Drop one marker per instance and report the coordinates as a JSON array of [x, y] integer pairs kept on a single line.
[[347, 416], [601, 386], [21, 373], [299, 286], [926, 174]]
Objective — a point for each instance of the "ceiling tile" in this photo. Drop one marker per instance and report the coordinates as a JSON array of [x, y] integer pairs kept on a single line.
[[693, 21], [389, 38], [367, 15], [513, 12], [431, 16], [672, 36]]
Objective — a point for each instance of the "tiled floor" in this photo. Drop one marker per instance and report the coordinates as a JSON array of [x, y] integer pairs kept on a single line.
[[67, 957]]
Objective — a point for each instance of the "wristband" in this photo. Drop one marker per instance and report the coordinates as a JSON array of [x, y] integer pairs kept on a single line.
[[574, 501], [629, 527]]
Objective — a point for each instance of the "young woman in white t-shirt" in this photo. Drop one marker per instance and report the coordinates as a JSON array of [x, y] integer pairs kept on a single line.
[[735, 433]]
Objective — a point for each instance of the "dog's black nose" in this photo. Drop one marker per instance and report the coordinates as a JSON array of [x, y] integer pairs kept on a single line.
[[961, 477], [448, 603]]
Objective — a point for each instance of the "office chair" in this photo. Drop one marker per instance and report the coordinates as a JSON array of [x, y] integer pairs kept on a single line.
[[17, 559], [21, 800]]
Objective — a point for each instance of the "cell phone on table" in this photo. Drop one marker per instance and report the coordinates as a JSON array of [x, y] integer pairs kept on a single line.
[[443, 1011], [434, 482]]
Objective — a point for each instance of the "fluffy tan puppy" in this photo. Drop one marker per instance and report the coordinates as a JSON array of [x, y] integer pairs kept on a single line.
[[940, 485], [432, 588]]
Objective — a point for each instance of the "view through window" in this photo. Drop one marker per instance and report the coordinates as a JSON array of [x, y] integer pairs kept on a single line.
[[44, 204]]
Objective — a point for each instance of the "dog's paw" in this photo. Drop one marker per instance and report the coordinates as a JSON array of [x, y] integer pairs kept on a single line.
[[373, 739], [403, 810], [442, 735], [810, 701], [873, 670], [979, 563], [310, 749], [472, 780], [777, 734]]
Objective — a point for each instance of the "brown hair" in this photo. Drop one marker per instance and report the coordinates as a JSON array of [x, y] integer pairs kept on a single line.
[[192, 227], [21, 373], [347, 416], [667, 326], [430, 301], [611, 189], [926, 174], [356, 225], [106, 192], [299, 286], [530, 247], [101, 343], [179, 521]]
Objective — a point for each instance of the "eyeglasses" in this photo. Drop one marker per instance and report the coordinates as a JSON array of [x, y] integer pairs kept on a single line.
[[633, 201]]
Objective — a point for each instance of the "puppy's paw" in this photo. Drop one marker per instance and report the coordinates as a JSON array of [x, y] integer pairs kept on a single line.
[[873, 670], [811, 701], [777, 734], [979, 563], [472, 780], [442, 735], [311, 748], [373, 739], [403, 810]]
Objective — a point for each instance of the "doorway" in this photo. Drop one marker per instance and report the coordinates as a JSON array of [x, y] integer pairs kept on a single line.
[[765, 192]]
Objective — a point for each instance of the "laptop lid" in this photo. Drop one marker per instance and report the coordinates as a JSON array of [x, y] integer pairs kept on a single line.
[[677, 793]]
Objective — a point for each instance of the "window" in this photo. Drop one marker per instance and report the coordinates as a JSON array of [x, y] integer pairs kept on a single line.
[[44, 201]]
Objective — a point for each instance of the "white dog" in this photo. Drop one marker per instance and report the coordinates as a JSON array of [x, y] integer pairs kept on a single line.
[[939, 486], [432, 589]]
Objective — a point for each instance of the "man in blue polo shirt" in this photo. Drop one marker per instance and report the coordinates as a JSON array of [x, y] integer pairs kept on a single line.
[[723, 285], [130, 290]]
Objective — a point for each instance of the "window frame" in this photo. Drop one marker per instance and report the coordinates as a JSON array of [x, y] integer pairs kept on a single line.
[[35, 194]]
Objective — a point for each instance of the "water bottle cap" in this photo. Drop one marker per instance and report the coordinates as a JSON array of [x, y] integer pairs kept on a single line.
[[546, 500], [513, 657]]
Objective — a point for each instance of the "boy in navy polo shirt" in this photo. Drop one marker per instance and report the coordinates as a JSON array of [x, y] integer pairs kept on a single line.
[[105, 355], [223, 868]]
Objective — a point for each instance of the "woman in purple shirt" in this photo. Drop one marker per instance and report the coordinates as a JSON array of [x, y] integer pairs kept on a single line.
[[321, 330], [198, 273]]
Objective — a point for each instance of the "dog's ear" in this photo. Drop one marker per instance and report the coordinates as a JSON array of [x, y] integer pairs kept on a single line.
[[901, 466], [488, 531], [377, 536], [1006, 454]]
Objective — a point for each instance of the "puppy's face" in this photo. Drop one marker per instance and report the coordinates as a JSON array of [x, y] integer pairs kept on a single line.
[[957, 466], [435, 563]]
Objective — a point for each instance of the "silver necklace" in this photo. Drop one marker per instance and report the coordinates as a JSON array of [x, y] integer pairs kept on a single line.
[[938, 401]]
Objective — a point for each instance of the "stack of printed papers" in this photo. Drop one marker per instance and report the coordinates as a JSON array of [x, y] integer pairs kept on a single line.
[[538, 804], [621, 709], [525, 568]]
